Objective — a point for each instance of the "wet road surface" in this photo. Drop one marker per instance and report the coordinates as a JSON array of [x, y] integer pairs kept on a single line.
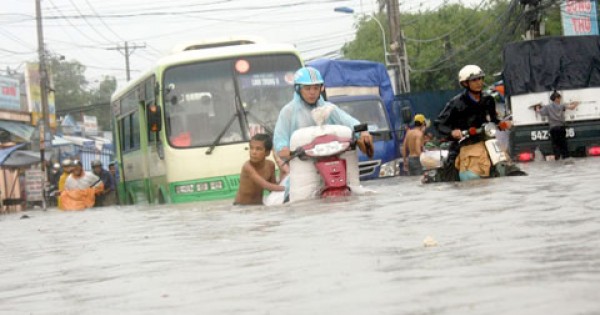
[[520, 245]]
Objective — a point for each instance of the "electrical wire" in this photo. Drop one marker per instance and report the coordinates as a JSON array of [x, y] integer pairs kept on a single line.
[[76, 28], [215, 10], [466, 47], [464, 28], [88, 23], [102, 21]]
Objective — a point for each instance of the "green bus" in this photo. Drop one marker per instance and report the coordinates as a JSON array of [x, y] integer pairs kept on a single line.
[[182, 128]]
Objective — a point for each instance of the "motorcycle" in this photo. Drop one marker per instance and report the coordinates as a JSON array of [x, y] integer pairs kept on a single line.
[[50, 194], [327, 153], [501, 164], [331, 150]]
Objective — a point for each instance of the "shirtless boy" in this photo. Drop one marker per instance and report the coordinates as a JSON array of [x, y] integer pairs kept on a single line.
[[413, 146], [258, 173]]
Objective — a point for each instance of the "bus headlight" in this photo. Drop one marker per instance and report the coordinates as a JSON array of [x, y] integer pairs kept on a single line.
[[184, 189], [390, 168]]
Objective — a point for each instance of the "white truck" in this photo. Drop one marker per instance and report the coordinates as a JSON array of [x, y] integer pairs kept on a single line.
[[532, 71]]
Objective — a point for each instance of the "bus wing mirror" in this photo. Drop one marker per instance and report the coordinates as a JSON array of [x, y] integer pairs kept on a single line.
[[154, 118]]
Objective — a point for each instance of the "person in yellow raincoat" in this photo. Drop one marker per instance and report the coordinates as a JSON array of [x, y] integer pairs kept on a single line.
[[66, 165], [80, 189]]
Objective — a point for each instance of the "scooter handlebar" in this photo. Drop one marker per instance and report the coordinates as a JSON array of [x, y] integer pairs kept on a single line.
[[299, 152], [361, 127]]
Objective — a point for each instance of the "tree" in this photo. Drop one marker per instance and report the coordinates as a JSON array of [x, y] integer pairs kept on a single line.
[[69, 83], [100, 100], [368, 44], [442, 41], [72, 91]]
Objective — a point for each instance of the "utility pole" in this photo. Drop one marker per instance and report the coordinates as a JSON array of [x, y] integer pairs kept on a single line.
[[398, 48], [127, 50], [533, 16], [43, 94]]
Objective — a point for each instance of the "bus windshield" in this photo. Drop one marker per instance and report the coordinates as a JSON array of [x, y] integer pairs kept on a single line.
[[265, 88], [367, 111], [203, 101]]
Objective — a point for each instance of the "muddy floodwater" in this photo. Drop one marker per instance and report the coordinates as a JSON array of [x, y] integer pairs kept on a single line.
[[519, 245]]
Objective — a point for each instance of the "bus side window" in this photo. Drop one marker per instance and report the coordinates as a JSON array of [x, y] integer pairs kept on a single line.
[[135, 130], [125, 126], [149, 99]]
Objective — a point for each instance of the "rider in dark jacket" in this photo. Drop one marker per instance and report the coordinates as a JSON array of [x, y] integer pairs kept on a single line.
[[469, 109], [463, 112]]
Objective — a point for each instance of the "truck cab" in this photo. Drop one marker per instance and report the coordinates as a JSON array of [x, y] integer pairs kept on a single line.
[[369, 109], [363, 89]]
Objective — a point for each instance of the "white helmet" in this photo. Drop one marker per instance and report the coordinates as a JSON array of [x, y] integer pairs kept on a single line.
[[470, 72]]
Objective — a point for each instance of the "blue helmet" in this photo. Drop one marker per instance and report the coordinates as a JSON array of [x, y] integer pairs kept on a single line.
[[308, 76]]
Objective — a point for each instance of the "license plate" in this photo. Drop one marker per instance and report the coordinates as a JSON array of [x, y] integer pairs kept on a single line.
[[539, 135]]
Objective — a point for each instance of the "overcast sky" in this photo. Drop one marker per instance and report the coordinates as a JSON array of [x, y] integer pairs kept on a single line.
[[85, 30]]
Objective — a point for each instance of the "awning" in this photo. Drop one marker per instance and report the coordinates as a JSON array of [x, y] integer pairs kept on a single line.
[[79, 140], [23, 158], [60, 141], [21, 130], [5, 153]]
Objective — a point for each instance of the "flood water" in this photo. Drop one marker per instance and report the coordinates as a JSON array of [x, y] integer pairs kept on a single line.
[[519, 245]]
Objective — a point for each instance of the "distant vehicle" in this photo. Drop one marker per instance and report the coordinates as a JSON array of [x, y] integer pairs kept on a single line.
[[363, 89], [182, 128], [532, 70]]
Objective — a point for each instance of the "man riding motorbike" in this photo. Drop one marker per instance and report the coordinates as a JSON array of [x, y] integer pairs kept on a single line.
[[470, 109]]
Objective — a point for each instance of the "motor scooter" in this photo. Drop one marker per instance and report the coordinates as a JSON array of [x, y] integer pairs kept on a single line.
[[50, 194], [326, 151], [501, 162]]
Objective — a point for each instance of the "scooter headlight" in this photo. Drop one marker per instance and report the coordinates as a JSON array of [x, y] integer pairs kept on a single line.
[[490, 130], [326, 149]]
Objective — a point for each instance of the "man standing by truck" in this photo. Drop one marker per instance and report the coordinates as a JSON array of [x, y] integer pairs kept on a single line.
[[413, 147], [555, 112]]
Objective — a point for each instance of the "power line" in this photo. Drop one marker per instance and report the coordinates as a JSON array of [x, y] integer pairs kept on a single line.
[[76, 28], [464, 28], [215, 10], [102, 21], [435, 68], [88, 23], [16, 39], [82, 108]]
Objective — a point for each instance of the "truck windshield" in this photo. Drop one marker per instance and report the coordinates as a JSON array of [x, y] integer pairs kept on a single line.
[[367, 111]]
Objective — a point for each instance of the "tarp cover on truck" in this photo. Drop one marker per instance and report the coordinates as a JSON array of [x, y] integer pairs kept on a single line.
[[355, 73], [561, 63]]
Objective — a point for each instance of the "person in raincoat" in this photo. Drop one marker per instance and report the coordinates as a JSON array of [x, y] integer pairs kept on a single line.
[[67, 167], [108, 196], [81, 189], [308, 85]]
